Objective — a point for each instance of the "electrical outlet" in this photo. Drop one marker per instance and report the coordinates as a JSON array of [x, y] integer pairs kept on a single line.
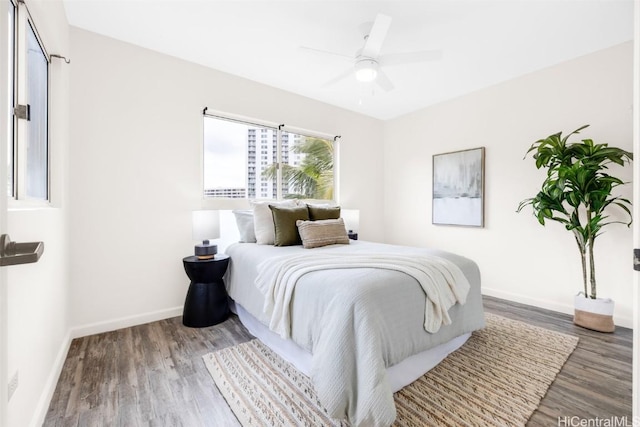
[[13, 384]]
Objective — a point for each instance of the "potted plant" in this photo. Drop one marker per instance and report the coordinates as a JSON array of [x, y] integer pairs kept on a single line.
[[576, 193]]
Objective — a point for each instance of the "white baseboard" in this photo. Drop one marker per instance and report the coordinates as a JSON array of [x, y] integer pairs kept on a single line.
[[50, 386], [82, 331], [124, 322], [622, 321]]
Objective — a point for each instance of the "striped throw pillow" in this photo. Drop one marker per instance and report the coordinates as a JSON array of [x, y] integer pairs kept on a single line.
[[315, 234]]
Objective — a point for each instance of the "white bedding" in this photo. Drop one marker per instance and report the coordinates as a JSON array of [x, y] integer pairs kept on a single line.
[[442, 281], [399, 375], [356, 322]]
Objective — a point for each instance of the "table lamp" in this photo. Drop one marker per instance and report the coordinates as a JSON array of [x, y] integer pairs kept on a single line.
[[206, 226], [351, 219]]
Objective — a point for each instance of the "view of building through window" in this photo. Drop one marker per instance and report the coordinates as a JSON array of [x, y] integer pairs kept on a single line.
[[28, 93], [240, 161]]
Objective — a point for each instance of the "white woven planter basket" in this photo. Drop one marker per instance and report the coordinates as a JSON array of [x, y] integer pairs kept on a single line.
[[595, 314]]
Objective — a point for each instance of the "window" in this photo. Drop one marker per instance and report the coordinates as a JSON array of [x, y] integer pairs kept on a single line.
[[230, 162], [11, 27], [36, 172], [28, 137], [230, 159]]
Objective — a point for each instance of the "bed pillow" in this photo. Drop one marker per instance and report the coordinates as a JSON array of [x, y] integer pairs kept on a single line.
[[284, 222], [320, 212], [263, 220], [244, 219], [315, 234]]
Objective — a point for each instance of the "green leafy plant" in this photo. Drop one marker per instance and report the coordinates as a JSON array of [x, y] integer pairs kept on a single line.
[[577, 191], [313, 178]]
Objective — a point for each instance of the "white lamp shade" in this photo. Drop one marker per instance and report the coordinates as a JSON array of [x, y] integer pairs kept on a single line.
[[351, 219], [206, 225]]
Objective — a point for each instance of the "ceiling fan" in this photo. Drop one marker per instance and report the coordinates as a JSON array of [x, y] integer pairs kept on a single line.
[[368, 62]]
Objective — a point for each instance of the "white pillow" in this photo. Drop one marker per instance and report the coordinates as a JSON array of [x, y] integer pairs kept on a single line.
[[263, 220], [244, 219]]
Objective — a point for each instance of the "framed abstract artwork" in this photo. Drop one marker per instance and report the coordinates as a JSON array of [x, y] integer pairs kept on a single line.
[[458, 188]]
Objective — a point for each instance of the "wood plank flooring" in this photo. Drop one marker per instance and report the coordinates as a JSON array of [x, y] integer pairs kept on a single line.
[[153, 374]]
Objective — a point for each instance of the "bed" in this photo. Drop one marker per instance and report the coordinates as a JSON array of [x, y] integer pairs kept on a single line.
[[358, 331]]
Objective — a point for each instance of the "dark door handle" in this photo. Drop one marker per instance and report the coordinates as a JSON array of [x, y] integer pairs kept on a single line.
[[12, 253]]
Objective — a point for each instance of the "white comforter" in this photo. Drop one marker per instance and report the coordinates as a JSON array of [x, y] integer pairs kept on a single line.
[[356, 321], [442, 281]]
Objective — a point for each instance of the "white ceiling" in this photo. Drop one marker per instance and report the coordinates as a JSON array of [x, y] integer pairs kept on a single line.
[[483, 42]]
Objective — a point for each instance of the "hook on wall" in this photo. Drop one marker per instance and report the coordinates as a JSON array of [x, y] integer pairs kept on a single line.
[[53, 55]]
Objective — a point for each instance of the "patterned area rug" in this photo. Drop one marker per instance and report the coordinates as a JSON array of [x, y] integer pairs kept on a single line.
[[497, 378]]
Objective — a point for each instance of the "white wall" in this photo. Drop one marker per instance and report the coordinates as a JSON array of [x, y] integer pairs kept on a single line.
[[135, 171], [38, 293], [636, 209], [519, 259]]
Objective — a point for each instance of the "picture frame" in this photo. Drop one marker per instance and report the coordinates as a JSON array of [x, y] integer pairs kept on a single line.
[[458, 188]]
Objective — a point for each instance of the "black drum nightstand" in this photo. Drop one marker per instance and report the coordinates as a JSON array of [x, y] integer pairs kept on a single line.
[[206, 303]]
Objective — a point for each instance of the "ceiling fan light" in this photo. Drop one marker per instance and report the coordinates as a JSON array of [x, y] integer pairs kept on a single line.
[[366, 70]]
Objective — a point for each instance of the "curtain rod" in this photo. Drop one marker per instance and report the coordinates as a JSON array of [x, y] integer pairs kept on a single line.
[[311, 133], [64, 58], [238, 119]]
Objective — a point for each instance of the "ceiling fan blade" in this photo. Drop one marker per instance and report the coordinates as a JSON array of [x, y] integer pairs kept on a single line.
[[383, 81], [410, 57], [341, 76], [376, 36], [325, 52]]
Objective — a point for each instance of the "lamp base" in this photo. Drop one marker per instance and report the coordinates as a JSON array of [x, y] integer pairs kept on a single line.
[[205, 250]]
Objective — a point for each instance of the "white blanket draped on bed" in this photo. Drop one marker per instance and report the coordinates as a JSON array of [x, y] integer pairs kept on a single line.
[[351, 336], [443, 282]]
